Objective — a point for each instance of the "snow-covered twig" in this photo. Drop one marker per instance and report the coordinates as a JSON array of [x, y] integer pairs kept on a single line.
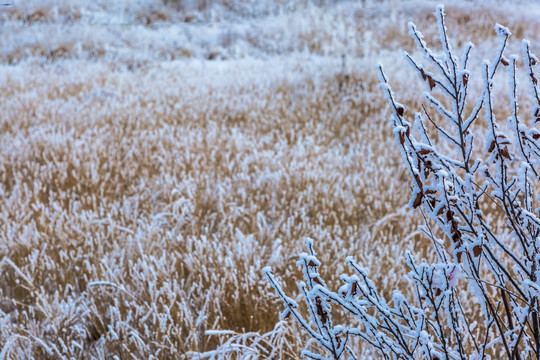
[[495, 252]]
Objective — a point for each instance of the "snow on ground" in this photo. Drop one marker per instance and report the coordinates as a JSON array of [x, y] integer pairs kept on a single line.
[[155, 157]]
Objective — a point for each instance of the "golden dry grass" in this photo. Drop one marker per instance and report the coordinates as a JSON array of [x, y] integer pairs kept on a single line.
[[139, 201]]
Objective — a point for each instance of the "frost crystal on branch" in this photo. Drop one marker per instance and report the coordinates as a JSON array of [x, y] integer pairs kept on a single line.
[[486, 209]]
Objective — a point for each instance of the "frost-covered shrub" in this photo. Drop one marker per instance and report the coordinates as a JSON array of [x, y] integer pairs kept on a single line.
[[481, 216]]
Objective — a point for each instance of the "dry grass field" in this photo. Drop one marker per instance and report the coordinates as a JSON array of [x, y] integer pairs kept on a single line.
[[155, 157]]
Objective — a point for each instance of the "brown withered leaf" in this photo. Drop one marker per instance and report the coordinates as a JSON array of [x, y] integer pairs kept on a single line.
[[338, 341], [317, 280], [424, 151], [320, 311], [505, 153], [437, 291], [537, 135], [423, 74], [287, 314], [312, 263], [449, 215], [419, 183], [465, 79], [431, 82], [477, 250], [400, 110], [491, 146], [504, 61], [459, 255], [418, 200], [324, 317], [456, 238], [354, 289], [401, 138], [454, 227]]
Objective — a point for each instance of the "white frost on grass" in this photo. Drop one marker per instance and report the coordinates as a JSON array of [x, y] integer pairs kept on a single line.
[[171, 153]]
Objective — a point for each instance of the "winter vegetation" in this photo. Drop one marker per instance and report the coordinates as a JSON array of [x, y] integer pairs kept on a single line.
[[484, 209], [155, 156]]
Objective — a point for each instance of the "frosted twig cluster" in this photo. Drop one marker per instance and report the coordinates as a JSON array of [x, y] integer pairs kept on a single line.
[[487, 235]]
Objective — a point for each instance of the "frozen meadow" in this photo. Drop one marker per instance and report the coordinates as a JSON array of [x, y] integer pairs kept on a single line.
[[156, 156]]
